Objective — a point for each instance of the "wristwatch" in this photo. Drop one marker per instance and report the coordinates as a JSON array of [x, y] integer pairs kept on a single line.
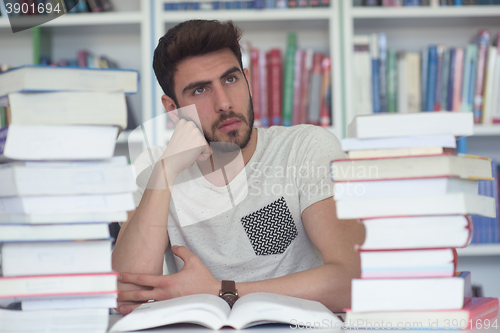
[[228, 292]]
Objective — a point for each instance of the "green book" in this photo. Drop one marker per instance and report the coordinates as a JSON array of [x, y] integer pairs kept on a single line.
[[468, 79], [392, 80], [288, 80]]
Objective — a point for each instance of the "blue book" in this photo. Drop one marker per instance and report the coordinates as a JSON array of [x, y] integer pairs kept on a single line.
[[458, 3], [382, 46], [411, 3], [451, 80], [423, 78], [486, 228], [431, 78], [259, 4], [376, 85]]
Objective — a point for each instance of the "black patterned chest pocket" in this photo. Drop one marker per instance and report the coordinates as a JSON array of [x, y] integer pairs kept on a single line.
[[270, 229]]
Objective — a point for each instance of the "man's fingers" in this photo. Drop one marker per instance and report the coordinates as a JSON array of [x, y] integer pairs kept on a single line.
[[140, 279], [136, 296], [125, 309]]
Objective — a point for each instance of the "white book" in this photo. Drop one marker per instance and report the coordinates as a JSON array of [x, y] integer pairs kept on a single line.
[[362, 76], [73, 320], [495, 103], [53, 232], [63, 178], [71, 204], [409, 294], [57, 142], [63, 218], [447, 141], [489, 96], [67, 108], [213, 312], [44, 258], [403, 187], [402, 83], [97, 302], [411, 124], [51, 78], [442, 204], [413, 81], [418, 232]]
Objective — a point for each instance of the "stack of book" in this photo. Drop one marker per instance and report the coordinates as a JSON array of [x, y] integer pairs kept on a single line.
[[414, 199], [61, 187]]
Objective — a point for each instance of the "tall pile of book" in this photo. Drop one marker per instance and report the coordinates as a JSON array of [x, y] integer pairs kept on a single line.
[[414, 199], [61, 187]]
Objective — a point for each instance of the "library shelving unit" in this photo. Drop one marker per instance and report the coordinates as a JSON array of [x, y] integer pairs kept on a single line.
[[316, 28], [478, 250]]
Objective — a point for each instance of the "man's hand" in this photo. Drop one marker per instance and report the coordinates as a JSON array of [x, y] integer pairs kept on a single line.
[[193, 278]]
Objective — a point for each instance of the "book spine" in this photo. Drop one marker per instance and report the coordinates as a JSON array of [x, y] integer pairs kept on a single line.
[[375, 65], [402, 83], [392, 81], [297, 87], [264, 95], [275, 86], [413, 81], [288, 81], [313, 114], [325, 118], [488, 89], [382, 40], [439, 71], [306, 78], [423, 77], [451, 80], [3, 138], [483, 41], [457, 84], [412, 3], [431, 79], [255, 75], [444, 80], [495, 106]]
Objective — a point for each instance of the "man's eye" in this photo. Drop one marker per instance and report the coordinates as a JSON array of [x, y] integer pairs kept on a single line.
[[199, 91], [230, 79]]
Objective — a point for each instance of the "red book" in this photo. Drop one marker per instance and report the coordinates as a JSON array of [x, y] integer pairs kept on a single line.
[[457, 84], [255, 85], [275, 84], [325, 101], [472, 316]]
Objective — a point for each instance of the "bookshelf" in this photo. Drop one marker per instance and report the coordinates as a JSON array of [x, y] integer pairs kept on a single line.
[[480, 250]]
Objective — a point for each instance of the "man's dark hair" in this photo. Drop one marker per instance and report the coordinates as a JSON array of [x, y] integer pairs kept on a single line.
[[192, 38]]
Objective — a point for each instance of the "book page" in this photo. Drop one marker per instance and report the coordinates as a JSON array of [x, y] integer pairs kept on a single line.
[[206, 310], [260, 308]]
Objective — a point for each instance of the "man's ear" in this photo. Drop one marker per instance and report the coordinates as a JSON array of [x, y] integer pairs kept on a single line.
[[171, 108], [249, 80]]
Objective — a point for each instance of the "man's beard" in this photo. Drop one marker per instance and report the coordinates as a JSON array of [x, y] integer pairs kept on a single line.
[[236, 141]]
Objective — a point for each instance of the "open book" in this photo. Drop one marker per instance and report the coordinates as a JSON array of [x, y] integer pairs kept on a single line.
[[213, 312]]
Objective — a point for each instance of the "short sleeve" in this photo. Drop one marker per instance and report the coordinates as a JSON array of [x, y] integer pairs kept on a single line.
[[317, 147]]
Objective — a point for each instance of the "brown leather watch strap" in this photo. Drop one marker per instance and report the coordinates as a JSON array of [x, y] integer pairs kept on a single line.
[[228, 286]]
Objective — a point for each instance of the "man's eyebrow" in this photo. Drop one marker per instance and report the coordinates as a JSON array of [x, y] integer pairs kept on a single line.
[[196, 84]]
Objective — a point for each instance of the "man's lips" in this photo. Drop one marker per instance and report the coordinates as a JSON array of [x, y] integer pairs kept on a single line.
[[229, 124]]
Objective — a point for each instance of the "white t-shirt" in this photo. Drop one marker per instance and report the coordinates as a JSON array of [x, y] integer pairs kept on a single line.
[[252, 229]]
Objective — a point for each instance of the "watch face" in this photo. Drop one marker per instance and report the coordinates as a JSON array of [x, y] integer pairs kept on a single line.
[[230, 298]]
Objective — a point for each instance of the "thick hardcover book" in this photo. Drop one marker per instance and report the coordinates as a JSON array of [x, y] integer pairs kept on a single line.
[[213, 312], [57, 142], [44, 258], [417, 232], [50, 78], [63, 218], [403, 264], [52, 232], [17, 288], [446, 140], [394, 125], [410, 294], [474, 314]]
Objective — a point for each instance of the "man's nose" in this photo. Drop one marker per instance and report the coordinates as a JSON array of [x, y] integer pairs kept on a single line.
[[222, 101]]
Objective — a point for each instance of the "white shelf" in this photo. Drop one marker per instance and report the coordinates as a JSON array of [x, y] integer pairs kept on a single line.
[[4, 22], [425, 12], [486, 130], [86, 19], [250, 15], [480, 250]]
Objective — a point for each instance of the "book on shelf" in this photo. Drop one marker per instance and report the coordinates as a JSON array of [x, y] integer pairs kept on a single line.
[[58, 178], [444, 204], [16, 288], [375, 66], [476, 310], [53, 232], [19, 142], [67, 204], [417, 232], [392, 80], [56, 257], [313, 113], [325, 97], [397, 264], [411, 294], [483, 41], [288, 79], [213, 312], [445, 165], [396, 125], [274, 84], [382, 44], [67, 108], [87, 217], [49, 78], [362, 95]]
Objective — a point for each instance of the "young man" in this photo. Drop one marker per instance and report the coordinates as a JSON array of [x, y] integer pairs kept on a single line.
[[235, 203]]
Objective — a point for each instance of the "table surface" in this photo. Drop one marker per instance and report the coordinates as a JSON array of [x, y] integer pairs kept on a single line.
[[188, 328]]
